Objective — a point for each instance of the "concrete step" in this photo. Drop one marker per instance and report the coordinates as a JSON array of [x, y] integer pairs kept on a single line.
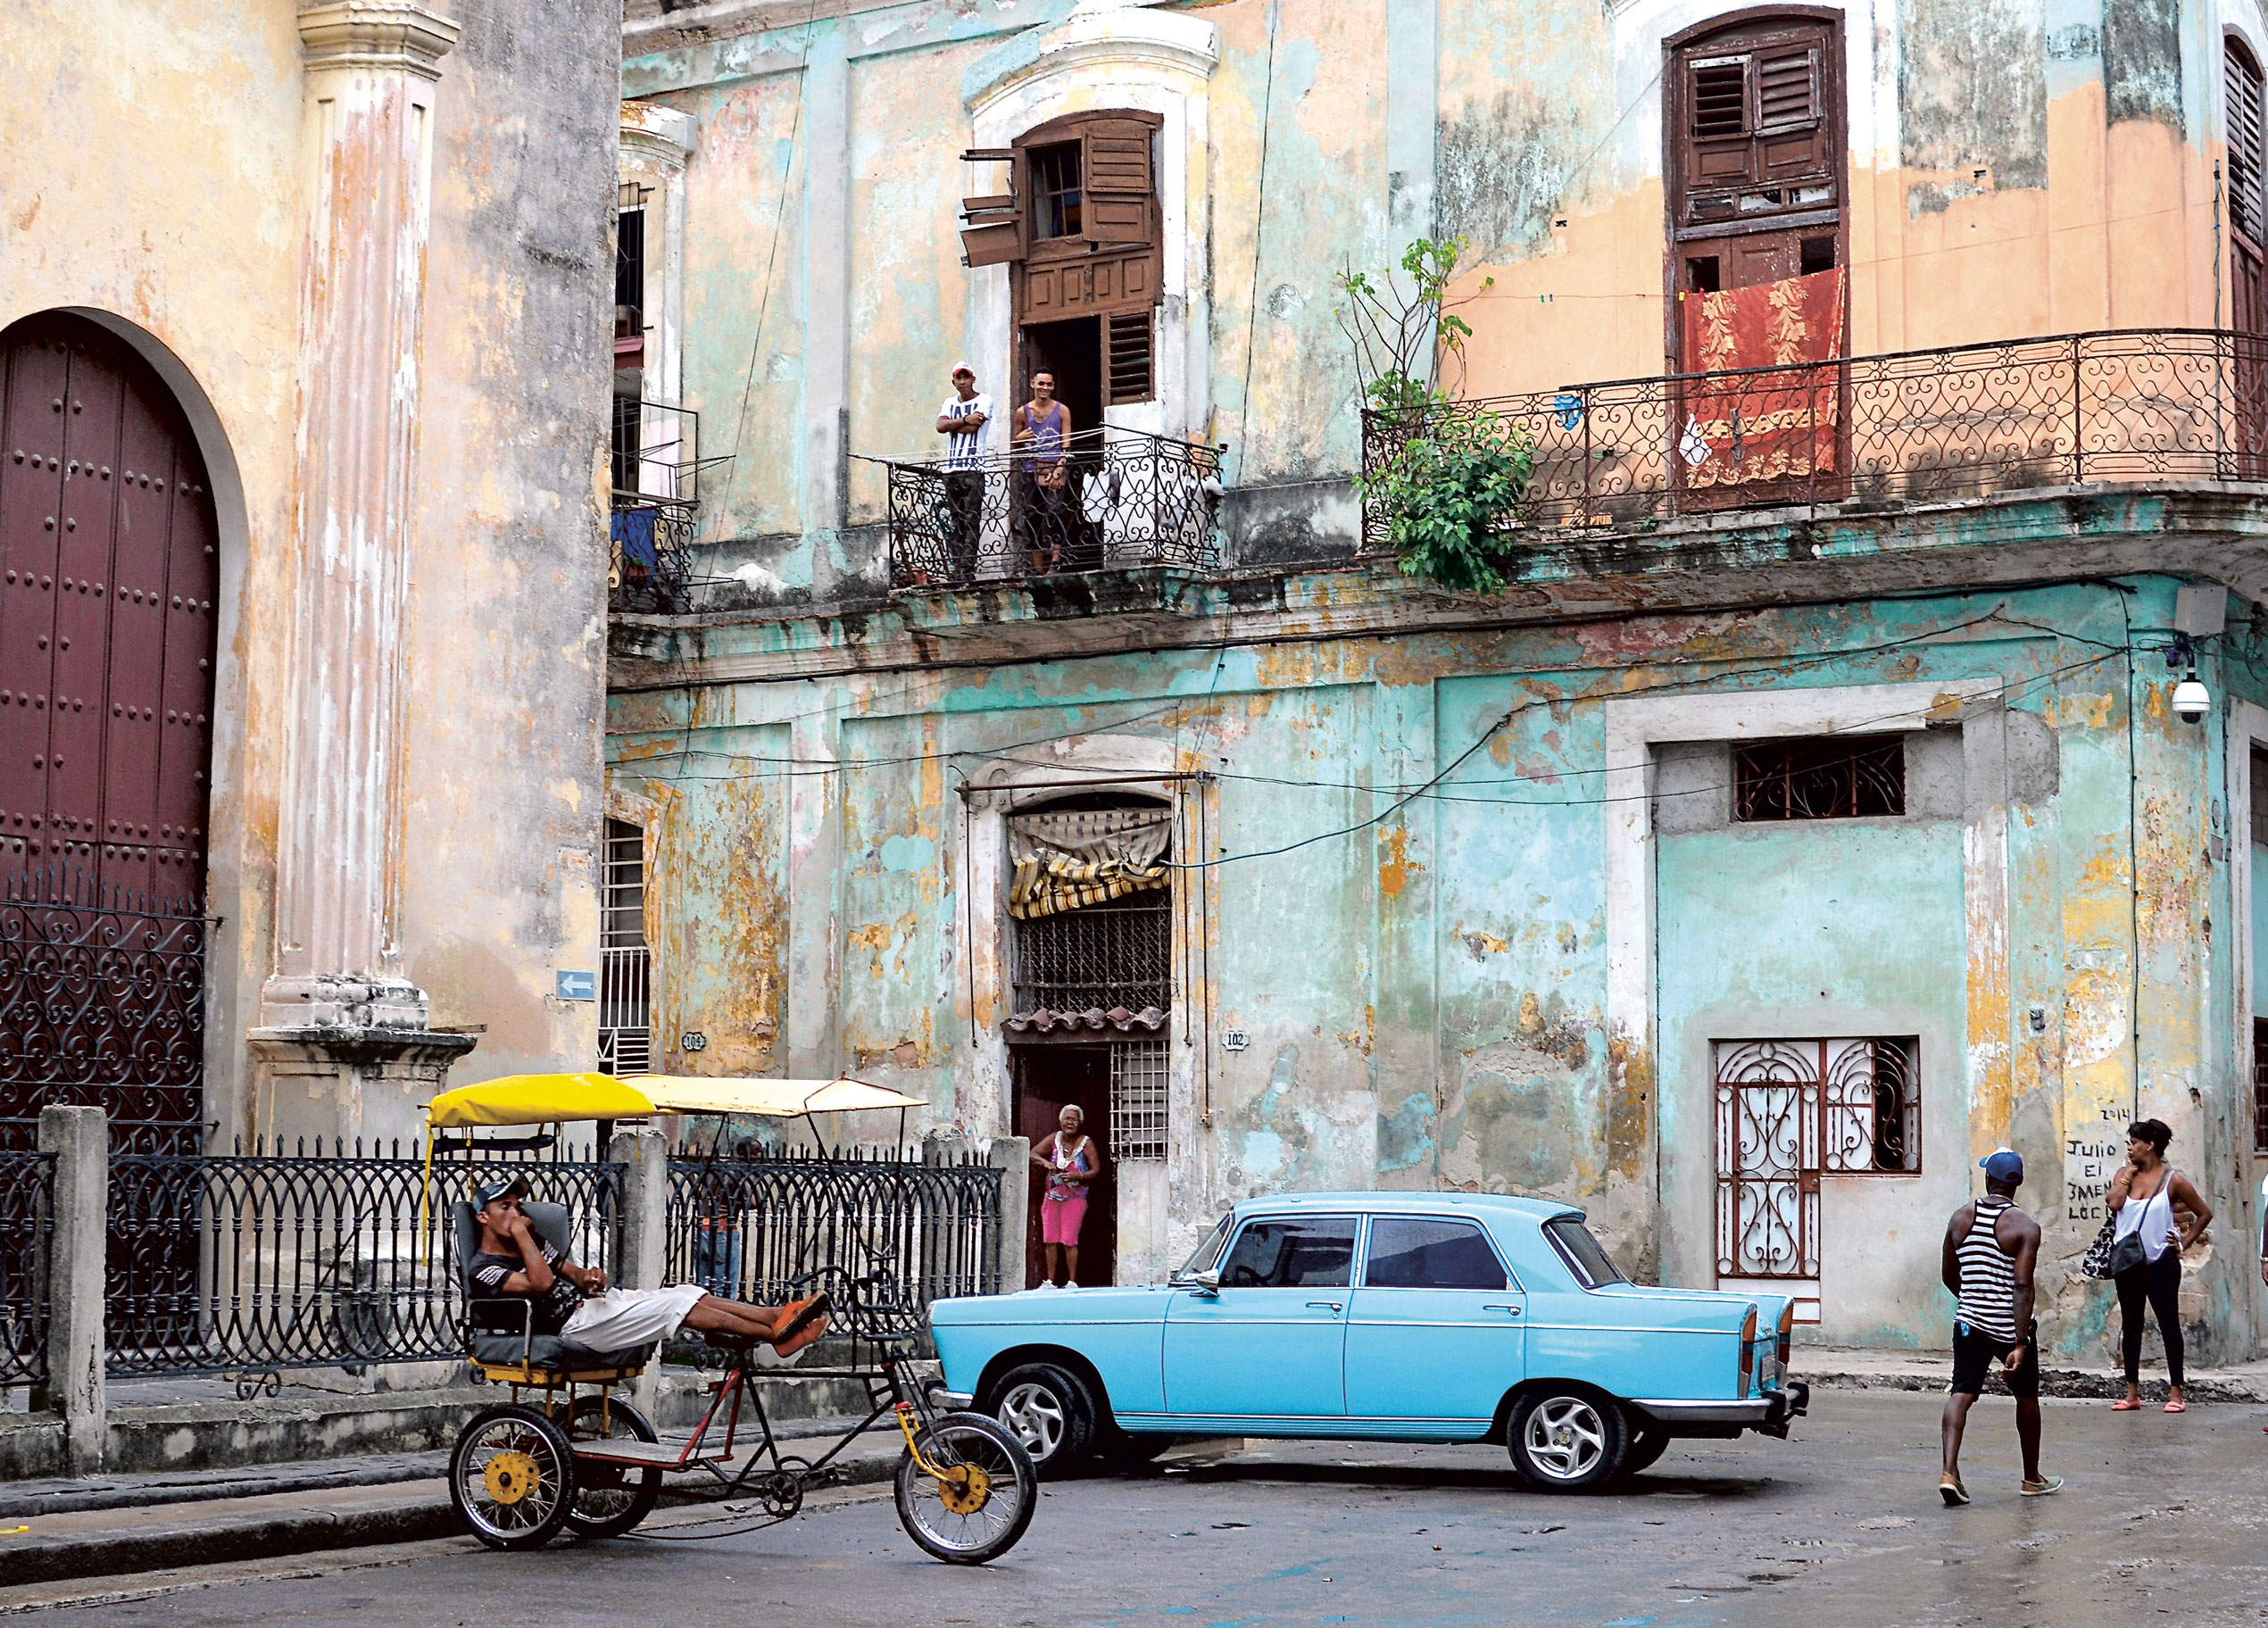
[[120, 1526]]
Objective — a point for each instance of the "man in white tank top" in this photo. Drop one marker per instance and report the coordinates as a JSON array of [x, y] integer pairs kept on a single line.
[[1991, 1250]]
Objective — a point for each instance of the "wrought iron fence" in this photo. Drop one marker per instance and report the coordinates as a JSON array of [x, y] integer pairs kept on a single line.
[[102, 1003], [1128, 499], [886, 1235], [1911, 427], [27, 1222], [655, 507], [261, 1261]]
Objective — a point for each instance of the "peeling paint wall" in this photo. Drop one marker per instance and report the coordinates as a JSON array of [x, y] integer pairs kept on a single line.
[[1423, 988], [157, 175]]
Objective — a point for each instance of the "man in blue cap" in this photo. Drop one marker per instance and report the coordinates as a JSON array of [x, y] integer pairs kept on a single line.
[[1991, 1249]]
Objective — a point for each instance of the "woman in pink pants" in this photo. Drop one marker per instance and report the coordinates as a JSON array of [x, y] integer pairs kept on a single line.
[[1072, 1162]]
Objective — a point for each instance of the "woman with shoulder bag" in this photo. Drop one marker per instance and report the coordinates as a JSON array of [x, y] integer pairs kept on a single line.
[[2145, 1199]]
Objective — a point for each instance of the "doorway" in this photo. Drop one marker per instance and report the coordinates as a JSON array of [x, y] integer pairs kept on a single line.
[[1048, 1078], [1072, 351]]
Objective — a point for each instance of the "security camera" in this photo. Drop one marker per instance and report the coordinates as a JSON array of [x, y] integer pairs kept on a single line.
[[2192, 699]]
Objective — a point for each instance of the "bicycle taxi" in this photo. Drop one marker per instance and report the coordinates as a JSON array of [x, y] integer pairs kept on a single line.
[[570, 1451]]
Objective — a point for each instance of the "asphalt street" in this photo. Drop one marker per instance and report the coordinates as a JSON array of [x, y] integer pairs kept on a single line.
[[2161, 1517]]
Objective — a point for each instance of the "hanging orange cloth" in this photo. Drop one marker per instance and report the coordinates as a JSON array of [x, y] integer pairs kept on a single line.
[[1763, 426]]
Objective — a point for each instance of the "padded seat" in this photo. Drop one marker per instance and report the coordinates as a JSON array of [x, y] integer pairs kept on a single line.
[[550, 1352], [502, 1345]]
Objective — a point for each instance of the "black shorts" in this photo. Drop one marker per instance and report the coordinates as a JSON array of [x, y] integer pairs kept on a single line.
[[1976, 1353]]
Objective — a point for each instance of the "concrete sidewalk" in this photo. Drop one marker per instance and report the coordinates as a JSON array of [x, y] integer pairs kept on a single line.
[[1846, 1368], [121, 1524]]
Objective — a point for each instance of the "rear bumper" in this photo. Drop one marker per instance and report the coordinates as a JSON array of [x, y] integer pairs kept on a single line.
[[1769, 1411]]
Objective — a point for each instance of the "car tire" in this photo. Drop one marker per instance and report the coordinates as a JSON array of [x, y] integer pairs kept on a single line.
[[1127, 1451], [1646, 1444], [1568, 1438], [1052, 1412]]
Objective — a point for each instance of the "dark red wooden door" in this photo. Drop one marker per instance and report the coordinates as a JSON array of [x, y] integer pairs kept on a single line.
[[107, 576]]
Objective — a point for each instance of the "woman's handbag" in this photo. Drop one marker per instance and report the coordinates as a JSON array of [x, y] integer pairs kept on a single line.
[[2127, 1254], [2096, 1261]]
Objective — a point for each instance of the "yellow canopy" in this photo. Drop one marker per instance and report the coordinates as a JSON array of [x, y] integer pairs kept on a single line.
[[539, 1099], [773, 1099]]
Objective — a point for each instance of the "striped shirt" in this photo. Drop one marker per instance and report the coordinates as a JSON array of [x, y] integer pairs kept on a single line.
[[1988, 1274]]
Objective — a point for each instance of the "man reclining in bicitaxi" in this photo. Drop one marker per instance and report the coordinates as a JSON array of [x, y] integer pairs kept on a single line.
[[577, 1304]]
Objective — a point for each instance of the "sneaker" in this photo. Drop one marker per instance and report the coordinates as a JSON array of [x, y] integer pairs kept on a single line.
[[1045, 1282], [2042, 1487], [1952, 1491]]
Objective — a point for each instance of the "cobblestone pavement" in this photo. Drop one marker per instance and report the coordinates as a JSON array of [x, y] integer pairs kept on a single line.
[[2162, 1517]]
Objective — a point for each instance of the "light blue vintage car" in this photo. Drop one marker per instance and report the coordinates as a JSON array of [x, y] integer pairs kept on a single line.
[[1388, 1317]]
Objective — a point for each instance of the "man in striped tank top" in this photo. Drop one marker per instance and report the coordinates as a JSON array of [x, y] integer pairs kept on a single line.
[[1991, 1249]]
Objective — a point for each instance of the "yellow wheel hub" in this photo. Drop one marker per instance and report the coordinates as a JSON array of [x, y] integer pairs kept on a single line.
[[964, 1490], [511, 1477]]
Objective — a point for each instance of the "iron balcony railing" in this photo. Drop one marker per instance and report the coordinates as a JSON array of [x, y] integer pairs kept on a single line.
[[1967, 422], [1126, 500], [27, 1222], [656, 506]]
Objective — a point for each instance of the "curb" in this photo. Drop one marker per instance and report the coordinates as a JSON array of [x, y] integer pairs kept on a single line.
[[2078, 1382], [129, 1549]]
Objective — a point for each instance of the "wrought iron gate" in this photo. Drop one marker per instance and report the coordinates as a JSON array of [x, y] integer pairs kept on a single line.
[[1767, 1158]]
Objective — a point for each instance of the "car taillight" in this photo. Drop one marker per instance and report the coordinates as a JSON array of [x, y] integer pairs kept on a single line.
[[1787, 1334], [1748, 1353]]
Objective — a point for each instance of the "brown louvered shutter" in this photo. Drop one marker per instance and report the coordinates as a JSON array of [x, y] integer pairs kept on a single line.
[[992, 233], [1720, 130], [1791, 137], [1132, 373], [1121, 189], [2245, 204]]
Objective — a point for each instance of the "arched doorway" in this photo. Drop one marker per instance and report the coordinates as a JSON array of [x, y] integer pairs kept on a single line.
[[108, 578]]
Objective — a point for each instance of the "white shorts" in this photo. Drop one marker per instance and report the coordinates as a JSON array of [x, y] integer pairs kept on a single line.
[[620, 1318]]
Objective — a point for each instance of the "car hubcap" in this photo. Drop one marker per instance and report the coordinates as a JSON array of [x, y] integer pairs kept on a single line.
[[1035, 1414], [1565, 1438]]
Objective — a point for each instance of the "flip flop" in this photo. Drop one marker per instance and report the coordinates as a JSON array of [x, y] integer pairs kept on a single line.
[[2124, 1406], [2177, 1406]]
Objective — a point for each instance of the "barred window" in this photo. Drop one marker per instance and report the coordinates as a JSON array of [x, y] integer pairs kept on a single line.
[[1821, 777], [1138, 1100], [626, 1023]]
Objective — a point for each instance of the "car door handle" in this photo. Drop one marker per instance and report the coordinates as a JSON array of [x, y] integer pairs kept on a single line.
[[1514, 1310], [1326, 1305]]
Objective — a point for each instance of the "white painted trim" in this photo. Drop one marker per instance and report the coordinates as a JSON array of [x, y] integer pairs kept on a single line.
[[1633, 727]]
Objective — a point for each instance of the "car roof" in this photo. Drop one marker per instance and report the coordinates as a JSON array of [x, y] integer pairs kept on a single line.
[[1497, 1204]]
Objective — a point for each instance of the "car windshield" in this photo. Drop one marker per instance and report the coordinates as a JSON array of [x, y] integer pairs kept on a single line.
[[1585, 1256], [1208, 1251]]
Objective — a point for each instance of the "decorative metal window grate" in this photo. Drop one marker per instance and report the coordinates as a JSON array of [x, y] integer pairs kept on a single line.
[[1098, 958], [1138, 1101], [1873, 1107], [1827, 778], [626, 995]]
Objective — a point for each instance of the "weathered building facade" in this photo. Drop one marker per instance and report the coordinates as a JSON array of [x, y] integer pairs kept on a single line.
[[1808, 818], [303, 311]]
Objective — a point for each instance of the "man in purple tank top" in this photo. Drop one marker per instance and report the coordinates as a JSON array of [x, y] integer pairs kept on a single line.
[[1991, 1250]]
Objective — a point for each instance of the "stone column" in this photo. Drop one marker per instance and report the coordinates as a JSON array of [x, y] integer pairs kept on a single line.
[[80, 1139], [371, 68], [337, 1016], [642, 1261], [1011, 1156]]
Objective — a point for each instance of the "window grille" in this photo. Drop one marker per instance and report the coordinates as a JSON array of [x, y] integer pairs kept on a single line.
[[1873, 1107], [1138, 1101], [1826, 777], [626, 1022], [1118, 953]]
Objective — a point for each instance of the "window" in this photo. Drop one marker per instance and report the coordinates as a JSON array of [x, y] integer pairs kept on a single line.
[[626, 442], [1419, 1252], [1306, 1253], [2245, 204], [630, 273], [2260, 797], [1131, 374], [1093, 903], [1756, 137], [1585, 1256], [1208, 1251], [1055, 191], [1138, 1101], [626, 1022], [1821, 777], [1873, 1104]]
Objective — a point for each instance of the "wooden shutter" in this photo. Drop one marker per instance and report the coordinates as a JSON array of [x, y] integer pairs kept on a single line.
[[1791, 137], [992, 233], [1720, 128], [1132, 373], [2245, 204], [1121, 191]]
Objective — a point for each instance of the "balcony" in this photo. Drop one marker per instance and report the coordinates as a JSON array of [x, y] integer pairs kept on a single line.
[[1128, 500], [1871, 434], [655, 507]]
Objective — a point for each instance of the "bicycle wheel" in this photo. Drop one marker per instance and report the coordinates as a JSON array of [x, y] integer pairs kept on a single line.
[[512, 1477], [611, 1499], [984, 1503]]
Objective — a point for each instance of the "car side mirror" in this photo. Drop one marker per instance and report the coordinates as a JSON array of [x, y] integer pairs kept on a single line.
[[1203, 1283]]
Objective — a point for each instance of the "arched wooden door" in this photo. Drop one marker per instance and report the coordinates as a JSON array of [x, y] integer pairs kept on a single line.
[[108, 575]]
